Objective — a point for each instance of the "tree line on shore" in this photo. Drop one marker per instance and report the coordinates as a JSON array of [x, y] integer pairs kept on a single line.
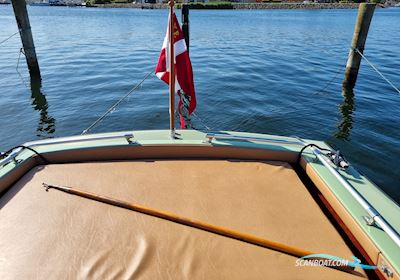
[[222, 4]]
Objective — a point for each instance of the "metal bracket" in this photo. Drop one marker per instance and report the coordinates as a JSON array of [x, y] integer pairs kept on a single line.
[[208, 140], [173, 134], [338, 160], [12, 159], [386, 270], [369, 220], [129, 138]]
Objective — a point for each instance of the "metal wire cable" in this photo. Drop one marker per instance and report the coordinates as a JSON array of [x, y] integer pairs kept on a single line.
[[340, 70], [186, 102], [116, 104], [5, 40], [201, 121], [377, 71]]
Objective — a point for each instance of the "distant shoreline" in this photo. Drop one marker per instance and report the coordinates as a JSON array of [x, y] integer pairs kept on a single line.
[[239, 6]]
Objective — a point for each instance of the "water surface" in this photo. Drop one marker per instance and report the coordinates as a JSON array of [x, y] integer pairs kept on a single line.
[[273, 71]]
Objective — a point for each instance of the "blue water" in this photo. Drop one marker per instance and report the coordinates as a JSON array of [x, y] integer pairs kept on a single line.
[[276, 72]]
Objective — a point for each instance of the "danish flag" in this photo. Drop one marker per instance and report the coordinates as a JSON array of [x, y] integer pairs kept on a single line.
[[184, 84]]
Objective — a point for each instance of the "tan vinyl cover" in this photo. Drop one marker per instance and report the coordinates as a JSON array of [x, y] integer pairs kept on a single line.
[[54, 235]]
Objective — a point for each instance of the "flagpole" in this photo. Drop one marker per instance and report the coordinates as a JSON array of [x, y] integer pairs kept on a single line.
[[172, 70]]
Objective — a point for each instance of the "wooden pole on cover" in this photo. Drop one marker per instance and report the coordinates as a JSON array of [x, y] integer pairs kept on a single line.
[[245, 237]]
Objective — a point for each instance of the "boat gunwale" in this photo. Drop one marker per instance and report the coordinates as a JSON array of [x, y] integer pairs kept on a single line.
[[353, 209]]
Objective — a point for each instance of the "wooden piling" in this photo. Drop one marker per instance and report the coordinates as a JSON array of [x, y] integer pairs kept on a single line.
[[185, 23], [365, 13], [21, 16]]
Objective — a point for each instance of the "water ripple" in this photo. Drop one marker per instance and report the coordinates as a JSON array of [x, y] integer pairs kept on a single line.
[[276, 72]]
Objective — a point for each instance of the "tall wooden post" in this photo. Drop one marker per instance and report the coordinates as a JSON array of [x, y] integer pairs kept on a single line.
[[365, 13], [171, 70], [21, 15], [185, 23]]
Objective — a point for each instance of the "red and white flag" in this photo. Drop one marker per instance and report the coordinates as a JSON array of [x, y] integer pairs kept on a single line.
[[184, 84]]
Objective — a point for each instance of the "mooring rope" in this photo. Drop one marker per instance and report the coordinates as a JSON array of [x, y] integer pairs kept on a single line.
[[116, 104], [5, 40], [377, 71]]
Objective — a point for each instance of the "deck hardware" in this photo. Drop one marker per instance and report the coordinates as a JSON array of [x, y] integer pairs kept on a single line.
[[129, 138], [14, 160], [67, 140], [6, 158], [372, 212], [369, 220], [338, 159], [315, 159], [386, 269], [74, 139], [208, 140], [211, 136]]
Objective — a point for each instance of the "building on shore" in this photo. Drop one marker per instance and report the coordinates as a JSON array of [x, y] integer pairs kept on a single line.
[[66, 2], [325, 1], [149, 1], [38, 2], [55, 2]]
